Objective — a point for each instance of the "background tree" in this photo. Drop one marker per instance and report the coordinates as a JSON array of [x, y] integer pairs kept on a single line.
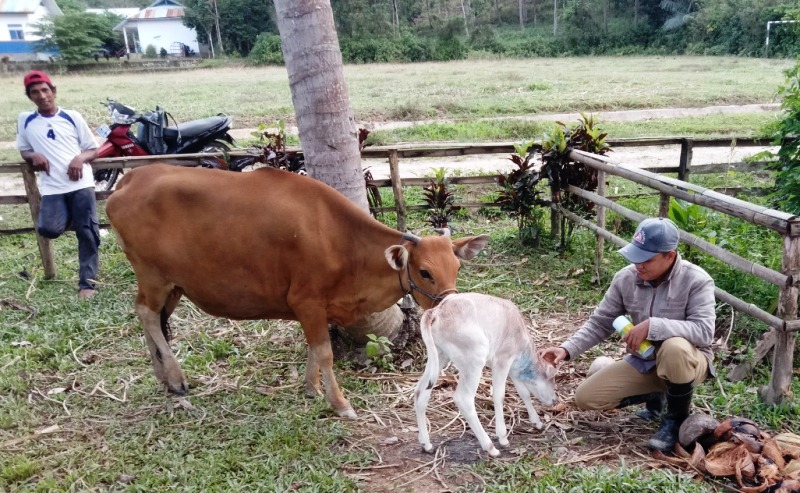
[[327, 129], [240, 22], [77, 35], [200, 16]]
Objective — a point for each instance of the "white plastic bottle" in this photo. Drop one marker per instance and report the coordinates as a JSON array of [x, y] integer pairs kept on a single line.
[[623, 325]]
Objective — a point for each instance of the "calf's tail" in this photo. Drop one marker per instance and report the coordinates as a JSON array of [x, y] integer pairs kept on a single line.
[[432, 366]]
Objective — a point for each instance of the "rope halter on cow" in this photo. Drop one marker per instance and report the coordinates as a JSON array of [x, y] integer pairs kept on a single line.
[[436, 298]]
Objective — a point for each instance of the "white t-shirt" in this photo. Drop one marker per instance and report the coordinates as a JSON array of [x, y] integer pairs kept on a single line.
[[59, 138]]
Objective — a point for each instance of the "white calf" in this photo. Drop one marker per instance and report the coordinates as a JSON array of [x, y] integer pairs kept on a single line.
[[475, 330]]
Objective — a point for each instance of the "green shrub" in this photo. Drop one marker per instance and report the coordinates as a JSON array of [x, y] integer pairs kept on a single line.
[[483, 38], [416, 48], [450, 49], [786, 132], [370, 50], [150, 51], [267, 50]]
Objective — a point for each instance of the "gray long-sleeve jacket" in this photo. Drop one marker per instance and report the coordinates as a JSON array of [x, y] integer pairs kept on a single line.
[[681, 306]]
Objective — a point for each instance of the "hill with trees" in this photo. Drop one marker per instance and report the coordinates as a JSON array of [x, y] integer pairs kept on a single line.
[[424, 30]]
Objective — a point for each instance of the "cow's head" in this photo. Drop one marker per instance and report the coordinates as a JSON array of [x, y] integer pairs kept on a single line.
[[427, 267]]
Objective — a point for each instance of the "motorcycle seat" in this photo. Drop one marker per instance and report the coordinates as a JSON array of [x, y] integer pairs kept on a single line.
[[194, 128]]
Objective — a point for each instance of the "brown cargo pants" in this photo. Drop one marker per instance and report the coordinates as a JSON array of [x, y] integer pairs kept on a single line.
[[677, 361]]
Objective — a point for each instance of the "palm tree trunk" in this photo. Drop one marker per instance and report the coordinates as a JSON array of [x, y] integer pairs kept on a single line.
[[220, 47], [466, 10], [327, 128], [555, 17]]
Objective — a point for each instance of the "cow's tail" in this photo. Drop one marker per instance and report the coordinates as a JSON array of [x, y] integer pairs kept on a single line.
[[432, 366], [165, 328]]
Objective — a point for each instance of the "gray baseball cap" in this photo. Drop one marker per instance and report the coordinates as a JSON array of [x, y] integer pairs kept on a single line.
[[653, 235]]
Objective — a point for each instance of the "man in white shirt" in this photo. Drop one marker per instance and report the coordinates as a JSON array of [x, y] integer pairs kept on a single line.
[[58, 143]]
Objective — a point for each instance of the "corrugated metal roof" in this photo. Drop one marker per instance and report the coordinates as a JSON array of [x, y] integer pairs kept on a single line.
[[156, 13], [160, 9], [18, 6]]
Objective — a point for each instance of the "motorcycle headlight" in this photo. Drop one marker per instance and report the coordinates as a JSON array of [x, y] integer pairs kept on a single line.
[[121, 118]]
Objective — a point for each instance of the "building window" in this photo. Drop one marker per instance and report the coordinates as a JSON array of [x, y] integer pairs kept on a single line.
[[16, 32]]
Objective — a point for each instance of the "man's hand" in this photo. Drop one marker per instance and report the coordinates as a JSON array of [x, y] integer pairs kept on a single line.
[[553, 355], [75, 170], [38, 162], [635, 337]]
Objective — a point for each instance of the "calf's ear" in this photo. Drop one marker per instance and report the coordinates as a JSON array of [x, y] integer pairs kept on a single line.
[[397, 256], [466, 248], [550, 370]]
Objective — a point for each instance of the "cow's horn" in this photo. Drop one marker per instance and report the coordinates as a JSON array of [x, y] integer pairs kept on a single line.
[[442, 231], [410, 237]]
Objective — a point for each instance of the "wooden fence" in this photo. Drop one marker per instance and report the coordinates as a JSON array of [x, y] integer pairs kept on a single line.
[[782, 335]]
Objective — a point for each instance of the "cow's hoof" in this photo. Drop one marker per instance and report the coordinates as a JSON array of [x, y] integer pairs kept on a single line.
[[180, 390], [347, 413], [539, 426], [493, 452], [503, 441]]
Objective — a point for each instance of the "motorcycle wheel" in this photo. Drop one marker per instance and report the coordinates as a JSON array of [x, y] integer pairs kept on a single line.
[[105, 179], [219, 162]]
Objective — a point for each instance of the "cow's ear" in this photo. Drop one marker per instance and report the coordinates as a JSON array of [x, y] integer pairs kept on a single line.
[[397, 256], [466, 248]]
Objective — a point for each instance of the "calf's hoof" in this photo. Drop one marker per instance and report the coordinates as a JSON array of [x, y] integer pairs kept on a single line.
[[347, 413], [312, 392], [539, 425], [493, 452], [503, 441], [427, 447]]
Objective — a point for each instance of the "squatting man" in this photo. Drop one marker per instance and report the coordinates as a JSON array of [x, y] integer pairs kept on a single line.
[[671, 303]]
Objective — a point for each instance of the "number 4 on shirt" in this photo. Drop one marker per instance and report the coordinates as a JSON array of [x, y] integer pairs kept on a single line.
[[51, 134]]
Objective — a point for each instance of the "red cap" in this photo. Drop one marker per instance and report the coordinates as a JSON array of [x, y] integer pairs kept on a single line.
[[36, 77]]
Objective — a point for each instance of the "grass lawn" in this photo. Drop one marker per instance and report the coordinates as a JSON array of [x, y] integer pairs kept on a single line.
[[454, 90]]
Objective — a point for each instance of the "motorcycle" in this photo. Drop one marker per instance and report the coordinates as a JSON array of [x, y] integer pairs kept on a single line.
[[148, 133]]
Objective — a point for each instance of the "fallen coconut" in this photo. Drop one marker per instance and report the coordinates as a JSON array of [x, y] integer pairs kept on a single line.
[[598, 364], [697, 428]]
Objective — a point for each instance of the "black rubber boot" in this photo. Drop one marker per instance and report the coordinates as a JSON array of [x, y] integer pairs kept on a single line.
[[654, 402], [679, 402], [653, 408]]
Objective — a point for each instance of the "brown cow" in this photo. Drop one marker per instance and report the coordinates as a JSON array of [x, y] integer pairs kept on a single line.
[[269, 244]]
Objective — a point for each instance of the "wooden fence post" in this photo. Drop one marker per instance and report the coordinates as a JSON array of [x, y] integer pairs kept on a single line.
[[663, 205], [779, 387], [601, 223], [397, 189], [35, 203], [685, 164]]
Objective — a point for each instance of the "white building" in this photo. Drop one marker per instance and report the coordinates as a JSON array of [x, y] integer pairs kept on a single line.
[[160, 25], [18, 19]]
